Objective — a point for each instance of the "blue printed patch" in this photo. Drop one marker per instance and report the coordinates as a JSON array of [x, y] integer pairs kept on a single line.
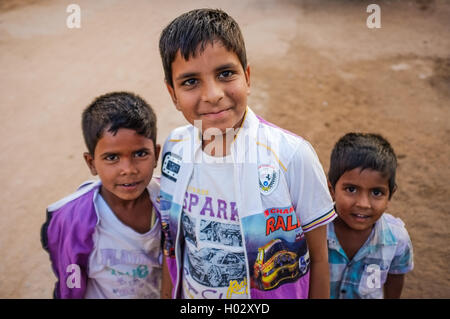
[[171, 166]]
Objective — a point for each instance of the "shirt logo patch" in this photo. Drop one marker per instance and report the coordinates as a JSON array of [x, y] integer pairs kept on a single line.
[[268, 179], [171, 166]]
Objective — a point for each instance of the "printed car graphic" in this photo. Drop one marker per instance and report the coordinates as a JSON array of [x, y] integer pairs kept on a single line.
[[189, 228], [168, 248], [225, 234], [275, 263], [304, 263], [216, 268]]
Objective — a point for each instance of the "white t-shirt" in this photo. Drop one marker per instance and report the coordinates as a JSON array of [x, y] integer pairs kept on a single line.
[[124, 263], [214, 262]]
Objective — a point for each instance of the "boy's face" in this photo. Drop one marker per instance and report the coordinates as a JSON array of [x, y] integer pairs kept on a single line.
[[212, 87], [124, 163], [361, 197]]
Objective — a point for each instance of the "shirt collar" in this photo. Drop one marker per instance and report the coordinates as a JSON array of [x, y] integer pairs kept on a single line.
[[380, 236], [333, 242]]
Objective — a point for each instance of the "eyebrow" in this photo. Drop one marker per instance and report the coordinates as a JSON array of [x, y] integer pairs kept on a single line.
[[106, 154], [354, 185], [186, 75], [193, 74], [226, 66], [118, 153]]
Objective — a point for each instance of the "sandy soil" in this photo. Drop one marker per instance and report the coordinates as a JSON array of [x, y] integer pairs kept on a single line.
[[317, 70]]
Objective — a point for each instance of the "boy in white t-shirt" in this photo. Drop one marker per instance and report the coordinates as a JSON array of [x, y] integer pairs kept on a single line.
[[244, 204], [104, 240]]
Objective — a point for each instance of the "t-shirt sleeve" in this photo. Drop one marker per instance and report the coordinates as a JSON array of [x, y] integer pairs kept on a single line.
[[308, 188], [403, 259]]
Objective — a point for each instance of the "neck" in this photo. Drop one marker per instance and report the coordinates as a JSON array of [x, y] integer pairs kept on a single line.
[[341, 226], [351, 240], [133, 213], [118, 204], [219, 145]]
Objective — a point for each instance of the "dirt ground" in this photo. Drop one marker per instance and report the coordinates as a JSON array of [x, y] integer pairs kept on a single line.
[[316, 69]]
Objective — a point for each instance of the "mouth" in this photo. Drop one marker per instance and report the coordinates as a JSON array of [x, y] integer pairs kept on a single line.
[[216, 114], [360, 216], [129, 186]]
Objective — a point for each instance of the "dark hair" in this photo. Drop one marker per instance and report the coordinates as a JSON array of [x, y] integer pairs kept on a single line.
[[365, 151], [117, 110], [195, 29]]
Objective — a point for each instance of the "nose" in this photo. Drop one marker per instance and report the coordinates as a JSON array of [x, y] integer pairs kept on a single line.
[[128, 167], [363, 201], [212, 92]]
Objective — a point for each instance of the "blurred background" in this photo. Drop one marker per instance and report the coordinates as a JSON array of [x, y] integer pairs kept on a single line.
[[316, 70]]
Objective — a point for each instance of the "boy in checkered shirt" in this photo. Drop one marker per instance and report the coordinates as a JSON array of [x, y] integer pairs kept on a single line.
[[369, 251]]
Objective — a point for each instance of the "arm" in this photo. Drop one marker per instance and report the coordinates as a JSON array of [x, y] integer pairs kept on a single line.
[[59, 235], [166, 282], [394, 286], [312, 201], [319, 282], [401, 264]]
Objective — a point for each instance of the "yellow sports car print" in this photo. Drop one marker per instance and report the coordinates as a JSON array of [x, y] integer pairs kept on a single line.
[[274, 264]]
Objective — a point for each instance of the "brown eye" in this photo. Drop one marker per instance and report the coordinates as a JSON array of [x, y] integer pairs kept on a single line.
[[350, 189], [189, 82], [111, 157], [377, 192], [141, 154], [225, 74]]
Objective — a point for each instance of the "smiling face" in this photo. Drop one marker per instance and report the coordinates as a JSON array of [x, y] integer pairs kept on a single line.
[[124, 163], [211, 87], [361, 197]]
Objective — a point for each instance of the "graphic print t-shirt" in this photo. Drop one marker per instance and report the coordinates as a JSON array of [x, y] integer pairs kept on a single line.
[[214, 260], [124, 263]]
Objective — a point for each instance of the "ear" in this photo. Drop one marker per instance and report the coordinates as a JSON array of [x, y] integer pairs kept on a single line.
[[172, 94], [90, 162], [247, 78], [157, 151], [331, 189]]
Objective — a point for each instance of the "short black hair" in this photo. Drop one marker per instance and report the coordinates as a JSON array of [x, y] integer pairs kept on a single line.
[[117, 110], [365, 151], [195, 29]]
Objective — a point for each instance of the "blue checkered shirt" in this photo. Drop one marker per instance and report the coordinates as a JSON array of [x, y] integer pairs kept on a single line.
[[388, 250]]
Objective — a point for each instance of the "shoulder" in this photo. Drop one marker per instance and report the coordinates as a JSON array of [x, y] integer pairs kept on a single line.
[[402, 261], [83, 191], [394, 223], [73, 214], [396, 227], [180, 141], [180, 134], [288, 145], [153, 190], [273, 133], [76, 208]]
